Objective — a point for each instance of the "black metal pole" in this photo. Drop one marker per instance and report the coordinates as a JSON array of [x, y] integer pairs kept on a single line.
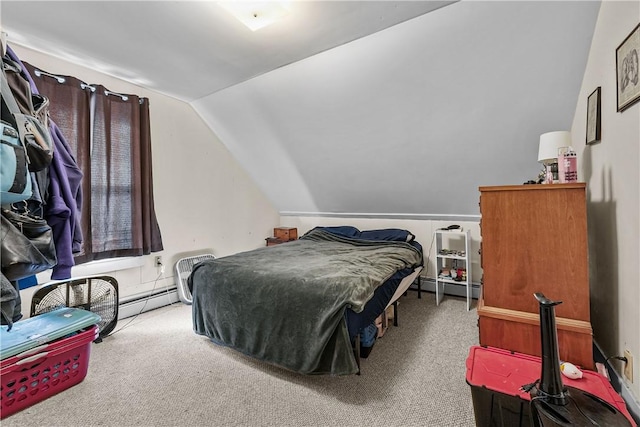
[[551, 385]]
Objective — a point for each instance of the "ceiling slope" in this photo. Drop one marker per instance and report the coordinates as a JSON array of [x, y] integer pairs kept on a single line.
[[189, 49], [412, 119], [392, 108]]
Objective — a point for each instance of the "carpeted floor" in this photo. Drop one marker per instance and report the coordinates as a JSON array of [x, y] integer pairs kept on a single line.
[[157, 372]]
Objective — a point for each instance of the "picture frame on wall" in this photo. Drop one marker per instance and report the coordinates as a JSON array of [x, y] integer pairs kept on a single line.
[[593, 117], [627, 72]]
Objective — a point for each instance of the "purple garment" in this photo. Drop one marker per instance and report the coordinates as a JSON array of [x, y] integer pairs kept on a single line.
[[62, 209]]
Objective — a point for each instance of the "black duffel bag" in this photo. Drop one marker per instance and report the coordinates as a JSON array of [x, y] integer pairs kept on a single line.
[[27, 245]]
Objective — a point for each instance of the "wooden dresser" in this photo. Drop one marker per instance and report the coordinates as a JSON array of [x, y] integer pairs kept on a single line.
[[534, 239]]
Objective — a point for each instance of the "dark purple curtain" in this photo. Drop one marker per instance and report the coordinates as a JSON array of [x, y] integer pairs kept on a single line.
[[118, 216], [69, 109]]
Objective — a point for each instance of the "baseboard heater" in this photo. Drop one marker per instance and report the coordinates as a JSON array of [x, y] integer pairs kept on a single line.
[[143, 302], [429, 284]]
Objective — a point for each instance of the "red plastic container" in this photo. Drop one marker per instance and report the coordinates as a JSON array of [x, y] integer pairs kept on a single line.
[[37, 374], [496, 377]]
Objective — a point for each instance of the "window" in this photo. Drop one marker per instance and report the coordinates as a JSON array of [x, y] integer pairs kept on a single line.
[[108, 135]]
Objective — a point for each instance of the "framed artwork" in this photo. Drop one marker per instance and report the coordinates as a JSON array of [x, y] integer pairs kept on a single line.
[[627, 79], [593, 117]]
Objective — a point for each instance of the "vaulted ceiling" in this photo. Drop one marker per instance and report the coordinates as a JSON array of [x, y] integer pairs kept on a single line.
[[345, 107], [191, 49]]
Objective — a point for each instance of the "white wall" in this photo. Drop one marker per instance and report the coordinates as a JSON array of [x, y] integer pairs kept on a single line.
[[611, 170], [205, 203]]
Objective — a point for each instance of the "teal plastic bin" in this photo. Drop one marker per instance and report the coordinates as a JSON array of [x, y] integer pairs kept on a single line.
[[39, 330]]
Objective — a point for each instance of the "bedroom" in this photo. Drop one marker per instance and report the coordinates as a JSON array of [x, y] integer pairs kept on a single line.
[[484, 133]]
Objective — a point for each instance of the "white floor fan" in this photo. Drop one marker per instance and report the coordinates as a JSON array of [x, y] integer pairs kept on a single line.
[[183, 269]]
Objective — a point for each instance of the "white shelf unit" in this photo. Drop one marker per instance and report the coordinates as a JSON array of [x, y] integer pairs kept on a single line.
[[452, 252]]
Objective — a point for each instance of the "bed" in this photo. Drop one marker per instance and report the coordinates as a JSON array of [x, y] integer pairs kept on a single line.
[[304, 305]]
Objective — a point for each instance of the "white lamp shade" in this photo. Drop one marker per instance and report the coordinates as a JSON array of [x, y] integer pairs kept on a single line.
[[550, 142]]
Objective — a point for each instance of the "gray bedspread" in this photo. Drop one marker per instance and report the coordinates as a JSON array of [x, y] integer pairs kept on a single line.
[[285, 304]]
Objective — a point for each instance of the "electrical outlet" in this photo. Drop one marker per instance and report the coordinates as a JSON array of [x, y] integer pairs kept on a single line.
[[158, 261], [628, 367]]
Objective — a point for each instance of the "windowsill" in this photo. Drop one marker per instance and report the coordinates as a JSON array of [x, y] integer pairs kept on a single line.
[[94, 268]]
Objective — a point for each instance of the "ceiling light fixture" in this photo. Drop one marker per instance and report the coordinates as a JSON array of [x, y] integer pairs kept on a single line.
[[256, 14]]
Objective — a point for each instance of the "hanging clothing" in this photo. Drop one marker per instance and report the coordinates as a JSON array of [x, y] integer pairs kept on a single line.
[[62, 211], [10, 302], [62, 208]]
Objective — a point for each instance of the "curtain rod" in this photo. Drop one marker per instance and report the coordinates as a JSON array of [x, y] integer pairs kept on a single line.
[[61, 79], [121, 96], [40, 73]]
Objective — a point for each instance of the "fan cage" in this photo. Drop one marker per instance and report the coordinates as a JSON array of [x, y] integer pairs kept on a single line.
[[96, 294], [184, 267]]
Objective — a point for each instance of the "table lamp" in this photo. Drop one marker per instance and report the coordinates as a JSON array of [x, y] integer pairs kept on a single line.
[[550, 142]]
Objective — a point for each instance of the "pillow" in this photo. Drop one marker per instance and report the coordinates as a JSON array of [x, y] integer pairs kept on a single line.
[[391, 234], [344, 231], [388, 234]]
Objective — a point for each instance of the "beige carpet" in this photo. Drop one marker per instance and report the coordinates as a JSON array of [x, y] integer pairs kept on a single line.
[[157, 372]]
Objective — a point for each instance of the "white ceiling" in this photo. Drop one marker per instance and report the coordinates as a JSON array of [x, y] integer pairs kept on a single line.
[[190, 49], [345, 107]]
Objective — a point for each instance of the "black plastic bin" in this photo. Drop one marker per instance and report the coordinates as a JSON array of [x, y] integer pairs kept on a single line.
[[496, 377]]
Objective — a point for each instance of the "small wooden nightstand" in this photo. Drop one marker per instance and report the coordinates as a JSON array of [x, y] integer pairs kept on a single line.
[[285, 234], [282, 235]]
